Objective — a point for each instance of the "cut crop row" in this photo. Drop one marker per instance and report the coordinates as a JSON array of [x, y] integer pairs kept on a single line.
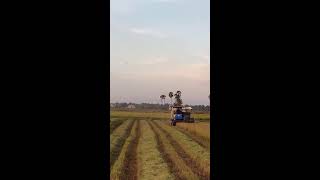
[[189, 131], [118, 138], [115, 123], [152, 165], [197, 157], [126, 166], [173, 158]]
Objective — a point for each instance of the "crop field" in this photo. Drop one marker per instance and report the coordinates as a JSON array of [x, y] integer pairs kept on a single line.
[[153, 115], [147, 147]]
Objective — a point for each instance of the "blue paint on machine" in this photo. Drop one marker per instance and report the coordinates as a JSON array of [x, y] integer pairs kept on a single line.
[[178, 117]]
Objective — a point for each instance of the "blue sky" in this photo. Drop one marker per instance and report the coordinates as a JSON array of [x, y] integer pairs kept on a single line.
[[159, 46]]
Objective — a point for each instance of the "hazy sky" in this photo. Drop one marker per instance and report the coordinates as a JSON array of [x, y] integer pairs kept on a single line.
[[159, 46]]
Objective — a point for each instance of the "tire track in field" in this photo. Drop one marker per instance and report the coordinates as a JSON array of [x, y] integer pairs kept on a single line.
[[172, 167], [116, 151], [189, 161], [130, 169]]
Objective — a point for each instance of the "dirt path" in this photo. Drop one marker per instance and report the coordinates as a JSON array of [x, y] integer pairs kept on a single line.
[[130, 169], [189, 161]]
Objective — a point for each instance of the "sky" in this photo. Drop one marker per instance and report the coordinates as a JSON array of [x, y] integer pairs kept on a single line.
[[158, 46]]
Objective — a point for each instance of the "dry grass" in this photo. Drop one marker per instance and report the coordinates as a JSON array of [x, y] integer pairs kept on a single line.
[[118, 138], [199, 155], [152, 115], [117, 168], [114, 123], [152, 166], [177, 165], [201, 129]]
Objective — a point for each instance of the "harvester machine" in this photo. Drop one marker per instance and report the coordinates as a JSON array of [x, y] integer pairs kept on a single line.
[[181, 114]]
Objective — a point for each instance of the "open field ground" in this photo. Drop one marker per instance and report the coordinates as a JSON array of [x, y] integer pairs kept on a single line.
[[153, 115], [145, 146]]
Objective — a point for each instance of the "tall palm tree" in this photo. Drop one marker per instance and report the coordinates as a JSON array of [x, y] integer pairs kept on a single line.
[[171, 95], [163, 98]]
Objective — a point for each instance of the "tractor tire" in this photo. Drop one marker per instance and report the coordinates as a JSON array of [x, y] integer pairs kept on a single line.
[[174, 123]]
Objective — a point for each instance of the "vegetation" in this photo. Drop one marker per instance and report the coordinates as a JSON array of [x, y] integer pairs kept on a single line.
[[144, 146], [117, 170], [152, 166], [117, 139], [114, 123], [201, 129], [152, 115], [198, 155], [172, 157]]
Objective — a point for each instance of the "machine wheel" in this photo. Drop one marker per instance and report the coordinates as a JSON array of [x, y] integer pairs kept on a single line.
[[174, 123]]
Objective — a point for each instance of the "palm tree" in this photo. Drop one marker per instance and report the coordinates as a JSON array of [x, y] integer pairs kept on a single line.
[[171, 95], [209, 97], [163, 97]]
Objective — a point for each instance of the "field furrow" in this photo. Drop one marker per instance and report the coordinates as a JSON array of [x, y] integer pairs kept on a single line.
[[131, 160], [177, 165], [152, 166], [195, 156], [117, 170], [118, 138], [115, 123]]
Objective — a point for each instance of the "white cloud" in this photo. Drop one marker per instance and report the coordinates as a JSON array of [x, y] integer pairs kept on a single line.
[[148, 31]]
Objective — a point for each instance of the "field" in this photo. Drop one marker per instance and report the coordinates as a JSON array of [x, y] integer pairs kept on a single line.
[[145, 146], [153, 115]]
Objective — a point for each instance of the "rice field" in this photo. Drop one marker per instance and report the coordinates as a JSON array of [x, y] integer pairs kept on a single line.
[[146, 147]]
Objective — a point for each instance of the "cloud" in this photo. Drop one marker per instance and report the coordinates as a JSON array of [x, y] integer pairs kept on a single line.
[[148, 32]]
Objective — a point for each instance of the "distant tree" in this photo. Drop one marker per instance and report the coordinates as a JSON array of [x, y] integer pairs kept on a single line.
[[163, 98]]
